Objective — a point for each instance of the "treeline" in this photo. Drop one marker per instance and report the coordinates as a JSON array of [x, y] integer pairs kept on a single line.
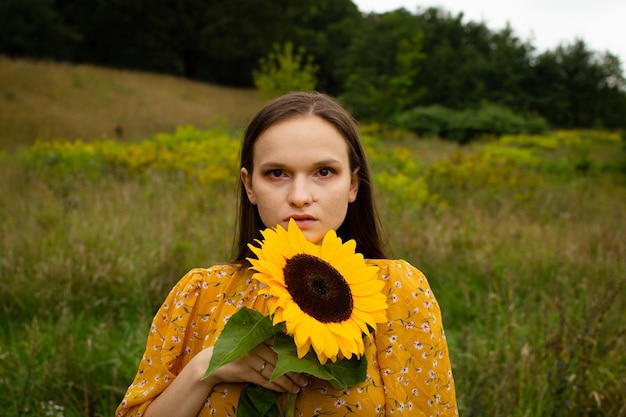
[[385, 66]]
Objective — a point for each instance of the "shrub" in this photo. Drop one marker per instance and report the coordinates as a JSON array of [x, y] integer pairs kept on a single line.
[[206, 156], [429, 121], [466, 125], [285, 70]]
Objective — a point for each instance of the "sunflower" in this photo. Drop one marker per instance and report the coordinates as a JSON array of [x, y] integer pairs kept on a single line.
[[327, 295]]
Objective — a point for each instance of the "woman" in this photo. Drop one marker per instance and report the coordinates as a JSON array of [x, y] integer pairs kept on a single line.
[[301, 159]]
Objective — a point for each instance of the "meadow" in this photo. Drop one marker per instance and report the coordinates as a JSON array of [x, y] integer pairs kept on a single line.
[[44, 100], [522, 238]]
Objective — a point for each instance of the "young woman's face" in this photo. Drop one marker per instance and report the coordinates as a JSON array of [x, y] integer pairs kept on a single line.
[[301, 170]]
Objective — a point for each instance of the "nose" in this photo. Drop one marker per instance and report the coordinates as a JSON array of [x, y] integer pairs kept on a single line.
[[300, 193]]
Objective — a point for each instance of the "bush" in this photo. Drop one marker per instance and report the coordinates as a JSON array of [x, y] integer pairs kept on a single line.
[[429, 121], [466, 125], [285, 70]]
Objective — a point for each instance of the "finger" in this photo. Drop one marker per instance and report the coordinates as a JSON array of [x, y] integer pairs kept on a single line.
[[262, 377], [265, 350], [266, 370], [265, 363], [265, 356], [293, 383], [299, 379], [268, 359]]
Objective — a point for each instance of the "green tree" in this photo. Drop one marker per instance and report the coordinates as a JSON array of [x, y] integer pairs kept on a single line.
[[326, 29], [115, 33], [467, 64], [285, 70], [456, 67], [449, 68], [381, 65], [573, 86], [34, 28], [507, 66], [217, 41]]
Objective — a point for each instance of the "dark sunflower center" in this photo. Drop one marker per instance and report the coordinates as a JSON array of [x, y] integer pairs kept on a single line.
[[318, 288]]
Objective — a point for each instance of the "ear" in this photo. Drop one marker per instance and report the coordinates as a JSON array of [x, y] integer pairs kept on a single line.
[[246, 179], [354, 186]]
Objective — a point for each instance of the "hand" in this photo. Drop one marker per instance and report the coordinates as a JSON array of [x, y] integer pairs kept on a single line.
[[188, 391], [256, 367]]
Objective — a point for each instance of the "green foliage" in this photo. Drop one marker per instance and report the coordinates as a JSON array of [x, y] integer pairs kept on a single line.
[[245, 329], [325, 28], [428, 121], [182, 152], [380, 71], [399, 178], [467, 125], [566, 153], [491, 120], [576, 87], [285, 70], [258, 401], [496, 177], [33, 28]]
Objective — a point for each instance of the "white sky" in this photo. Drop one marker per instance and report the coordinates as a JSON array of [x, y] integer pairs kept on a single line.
[[545, 23]]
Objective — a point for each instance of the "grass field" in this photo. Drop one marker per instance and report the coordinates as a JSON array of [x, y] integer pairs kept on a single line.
[[41, 100], [522, 239]]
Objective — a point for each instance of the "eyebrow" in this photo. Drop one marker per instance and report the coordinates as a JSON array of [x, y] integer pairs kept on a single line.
[[329, 161]]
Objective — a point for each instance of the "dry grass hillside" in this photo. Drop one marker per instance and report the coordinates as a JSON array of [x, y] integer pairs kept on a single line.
[[44, 100]]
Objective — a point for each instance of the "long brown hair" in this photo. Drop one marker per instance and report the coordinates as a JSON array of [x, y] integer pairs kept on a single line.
[[361, 223]]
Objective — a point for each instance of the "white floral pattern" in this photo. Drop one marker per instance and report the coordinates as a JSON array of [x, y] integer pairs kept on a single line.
[[408, 363]]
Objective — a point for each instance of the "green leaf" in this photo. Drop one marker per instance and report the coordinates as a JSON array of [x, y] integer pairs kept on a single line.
[[288, 360], [349, 372], [256, 401], [340, 374], [245, 329]]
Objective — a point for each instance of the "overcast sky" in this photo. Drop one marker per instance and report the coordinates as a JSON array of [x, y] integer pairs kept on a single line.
[[546, 23]]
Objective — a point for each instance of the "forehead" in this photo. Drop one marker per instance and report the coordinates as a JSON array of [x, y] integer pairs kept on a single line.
[[300, 137]]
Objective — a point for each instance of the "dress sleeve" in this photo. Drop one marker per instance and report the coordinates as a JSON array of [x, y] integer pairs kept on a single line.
[[412, 351], [168, 343]]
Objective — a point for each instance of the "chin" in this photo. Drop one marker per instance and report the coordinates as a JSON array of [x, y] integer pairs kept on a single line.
[[313, 237]]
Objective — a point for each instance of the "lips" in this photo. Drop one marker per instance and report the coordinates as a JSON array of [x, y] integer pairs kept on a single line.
[[303, 221], [297, 217]]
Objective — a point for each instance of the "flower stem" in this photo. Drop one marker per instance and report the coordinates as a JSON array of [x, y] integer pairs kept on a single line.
[[290, 406]]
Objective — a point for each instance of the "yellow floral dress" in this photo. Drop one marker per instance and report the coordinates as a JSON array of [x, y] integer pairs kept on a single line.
[[408, 364]]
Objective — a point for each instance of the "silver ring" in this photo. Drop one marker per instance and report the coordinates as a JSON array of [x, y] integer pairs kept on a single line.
[[263, 367]]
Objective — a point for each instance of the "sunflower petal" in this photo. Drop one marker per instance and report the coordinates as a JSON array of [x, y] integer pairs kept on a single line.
[[303, 348], [330, 245]]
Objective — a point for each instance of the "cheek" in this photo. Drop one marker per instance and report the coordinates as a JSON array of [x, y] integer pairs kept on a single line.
[[339, 208], [268, 208]]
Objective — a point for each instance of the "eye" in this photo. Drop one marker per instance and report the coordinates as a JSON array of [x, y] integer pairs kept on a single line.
[[275, 173], [324, 172]]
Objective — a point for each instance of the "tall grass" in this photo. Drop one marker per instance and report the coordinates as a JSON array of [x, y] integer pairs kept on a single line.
[[525, 252], [531, 285], [85, 263]]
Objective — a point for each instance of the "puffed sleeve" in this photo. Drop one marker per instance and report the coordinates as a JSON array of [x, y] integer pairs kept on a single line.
[[412, 351], [169, 341]]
